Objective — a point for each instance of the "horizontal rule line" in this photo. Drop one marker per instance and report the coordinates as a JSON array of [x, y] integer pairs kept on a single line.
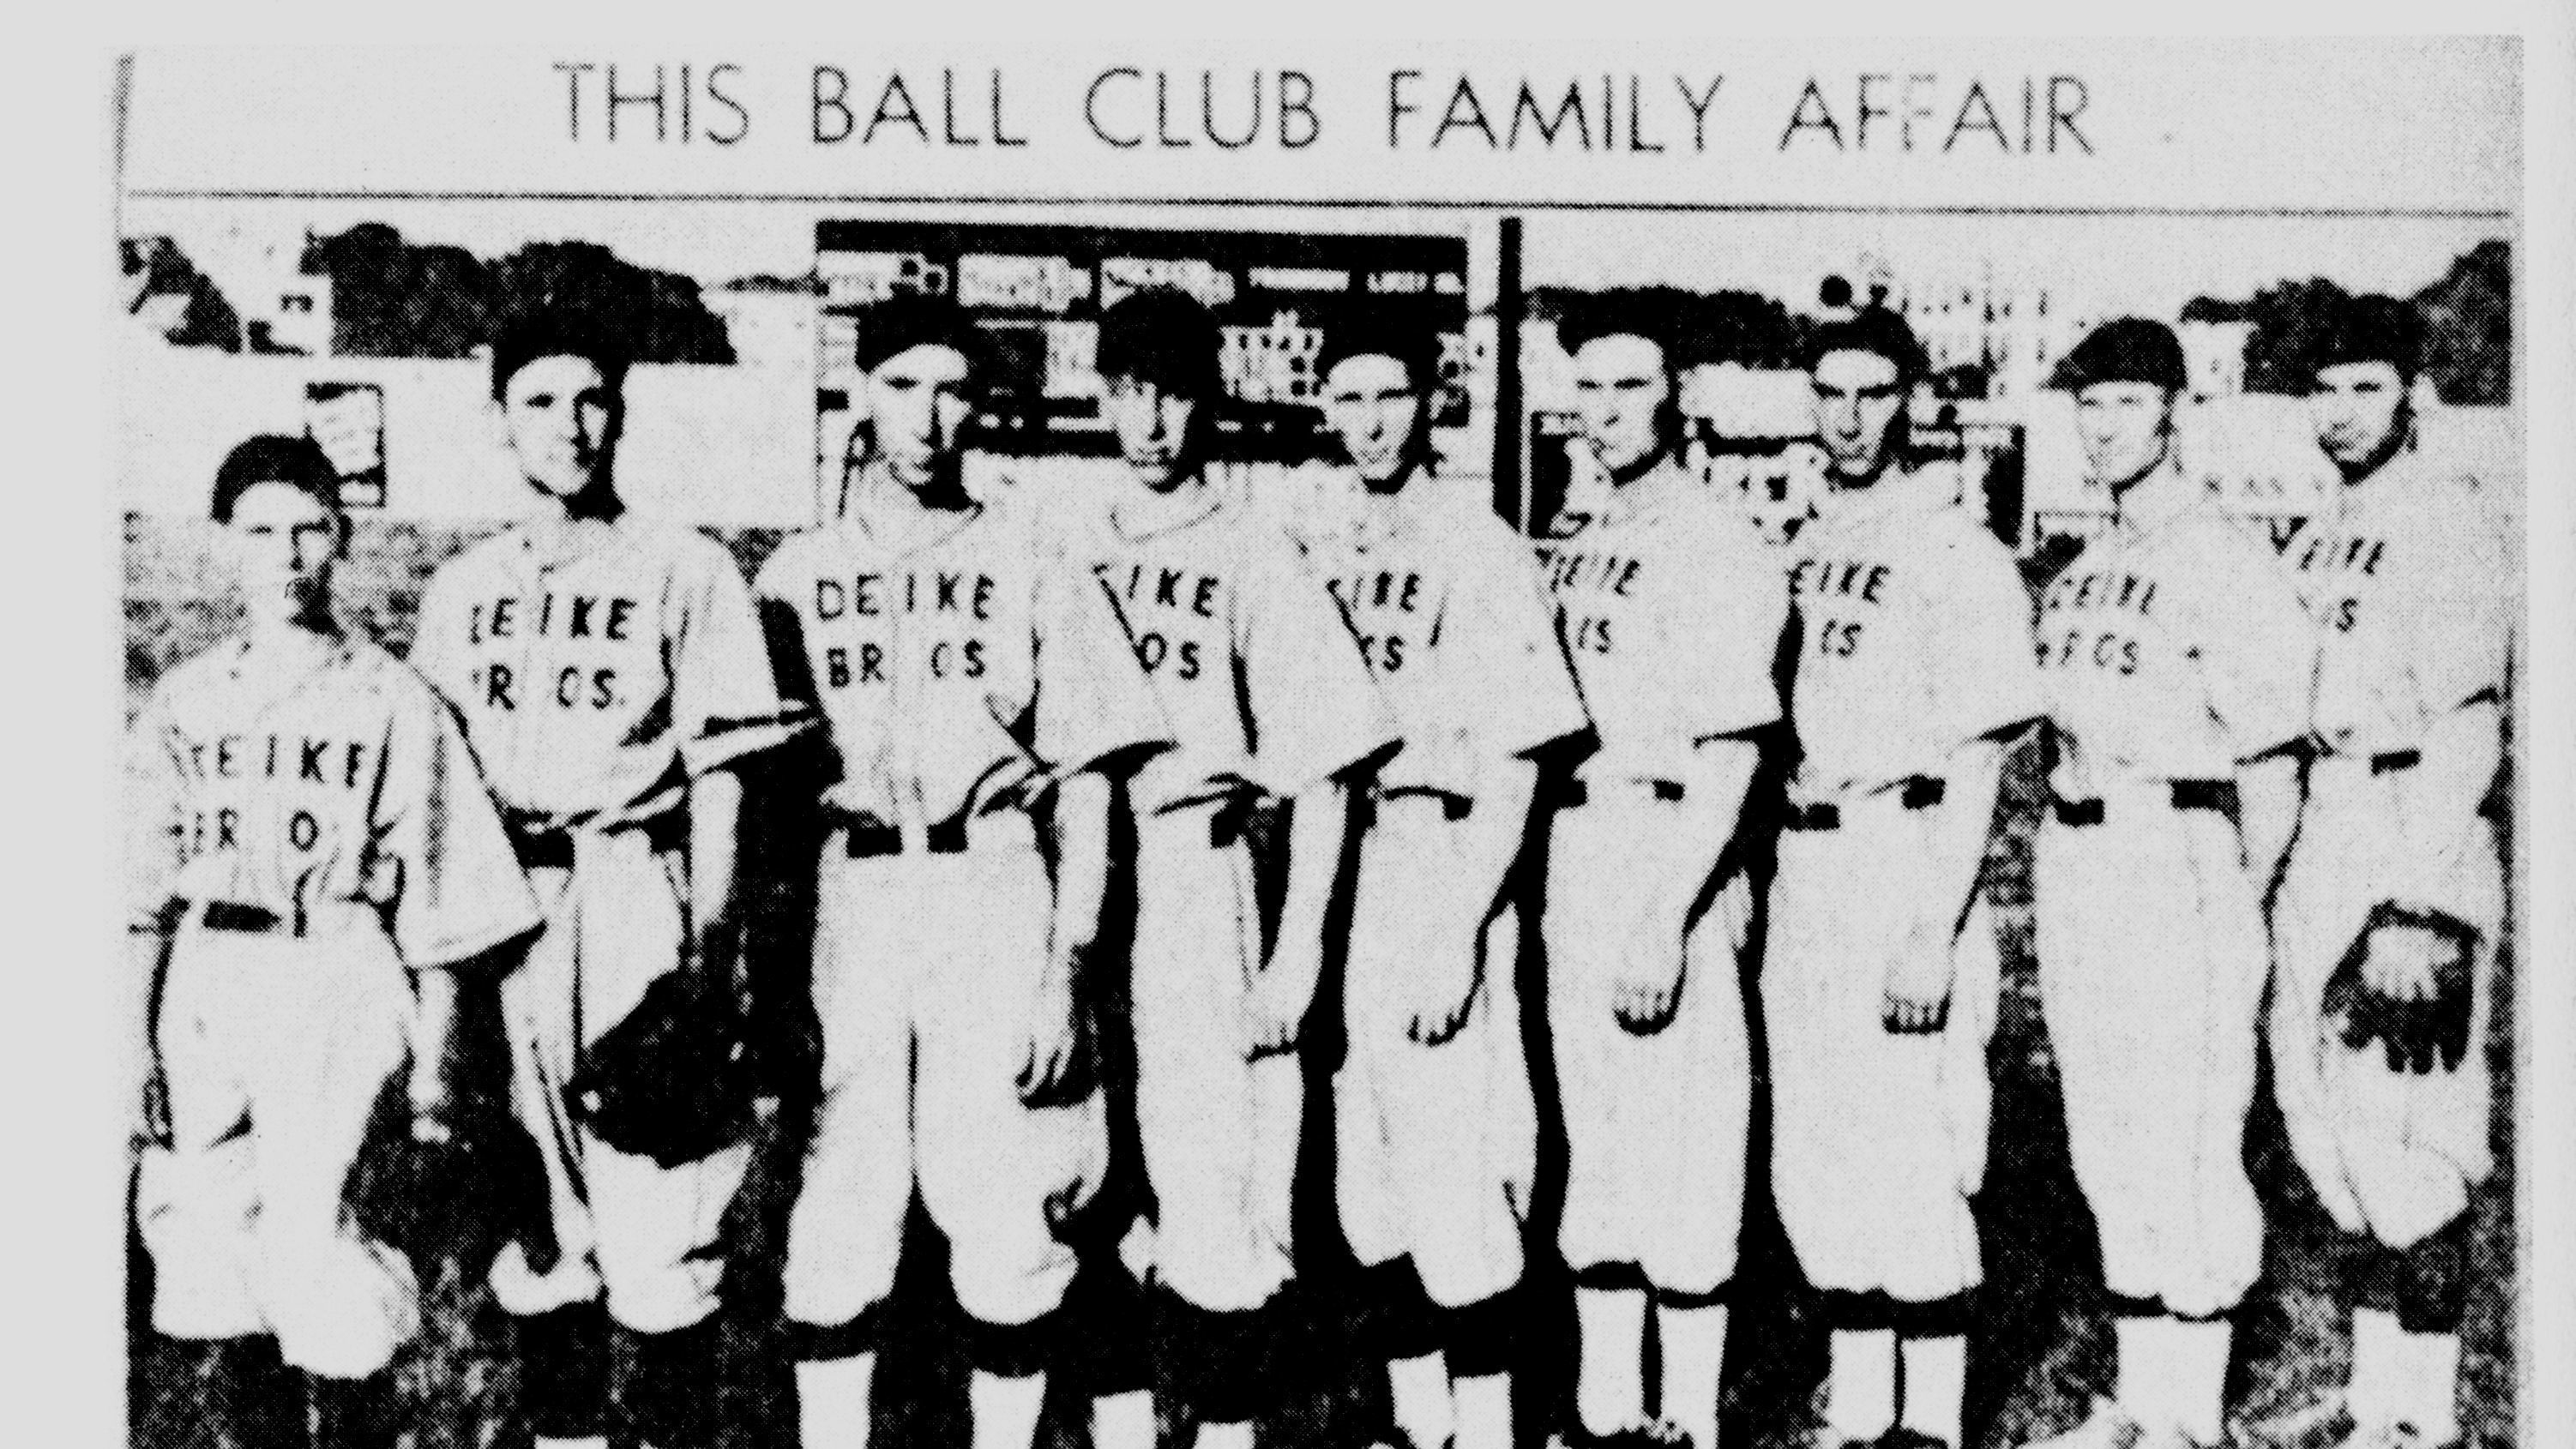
[[1402, 203]]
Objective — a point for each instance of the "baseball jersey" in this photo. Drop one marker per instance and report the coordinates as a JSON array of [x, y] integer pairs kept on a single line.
[[2410, 578], [1444, 600], [1670, 611], [967, 663], [1257, 673], [1913, 635], [599, 666], [2173, 646], [343, 780]]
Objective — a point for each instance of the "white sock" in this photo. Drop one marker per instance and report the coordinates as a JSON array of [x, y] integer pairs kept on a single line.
[[587, 1441], [2199, 1375], [1005, 1410], [1419, 1388], [1484, 1409], [1235, 1435], [2431, 1385], [2371, 1390], [832, 1402], [1694, 1356], [1936, 1380], [1610, 1390], [2140, 1389], [1123, 1421], [1860, 1388]]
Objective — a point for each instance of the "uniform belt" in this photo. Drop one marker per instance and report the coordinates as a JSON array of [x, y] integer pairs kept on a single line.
[[542, 844], [2212, 795], [867, 839], [249, 920], [1573, 794], [1916, 792], [2389, 762]]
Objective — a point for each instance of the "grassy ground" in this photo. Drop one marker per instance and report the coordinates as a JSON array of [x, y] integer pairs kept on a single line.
[[2039, 1350]]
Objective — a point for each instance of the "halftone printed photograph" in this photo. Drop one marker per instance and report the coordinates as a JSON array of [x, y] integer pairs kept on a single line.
[[1802, 745]]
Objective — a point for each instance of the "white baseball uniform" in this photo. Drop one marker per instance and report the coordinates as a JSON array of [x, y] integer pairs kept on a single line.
[[323, 829], [1436, 1144], [1670, 611], [2171, 650], [2411, 580], [1259, 679], [600, 667], [957, 671], [1914, 639]]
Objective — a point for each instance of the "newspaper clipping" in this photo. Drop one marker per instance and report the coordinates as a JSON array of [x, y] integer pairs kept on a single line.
[[1474, 747]]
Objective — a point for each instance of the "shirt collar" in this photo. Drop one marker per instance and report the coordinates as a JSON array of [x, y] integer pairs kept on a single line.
[[551, 541], [1211, 502], [2164, 495]]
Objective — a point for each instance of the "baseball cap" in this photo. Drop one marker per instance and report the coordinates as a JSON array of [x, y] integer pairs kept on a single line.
[[908, 320], [2369, 329], [1873, 329], [1163, 336], [299, 463], [2125, 349], [1416, 346]]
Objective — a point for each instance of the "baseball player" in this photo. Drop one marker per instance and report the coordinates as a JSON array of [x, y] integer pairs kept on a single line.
[[1879, 977], [1268, 701], [2409, 574], [319, 852], [611, 673], [1670, 611], [1436, 1131], [2176, 664], [973, 678]]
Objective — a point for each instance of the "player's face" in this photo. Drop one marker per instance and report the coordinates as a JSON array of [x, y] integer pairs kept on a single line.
[[1858, 395], [2357, 408], [1153, 429], [2126, 427], [1370, 402], [1623, 394], [918, 408], [560, 417], [282, 541]]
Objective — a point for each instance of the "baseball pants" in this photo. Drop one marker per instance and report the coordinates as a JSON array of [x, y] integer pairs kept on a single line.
[[2152, 959], [615, 922], [923, 966], [1436, 1145], [275, 1049], [1878, 1138], [1655, 1125], [2388, 1152], [1219, 1132]]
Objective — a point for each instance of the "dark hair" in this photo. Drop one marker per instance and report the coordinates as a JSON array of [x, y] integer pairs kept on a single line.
[[2368, 329], [1623, 312], [908, 320], [532, 336], [299, 463], [1166, 337], [1872, 329], [1416, 346]]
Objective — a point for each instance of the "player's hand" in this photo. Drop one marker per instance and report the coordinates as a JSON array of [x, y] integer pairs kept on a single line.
[[1915, 999], [1647, 993], [1442, 988], [1049, 1031], [431, 1102], [865, 799], [2403, 960], [1273, 1010]]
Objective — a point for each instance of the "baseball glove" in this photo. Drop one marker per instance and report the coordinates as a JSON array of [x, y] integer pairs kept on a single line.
[[2414, 1034], [675, 1080]]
